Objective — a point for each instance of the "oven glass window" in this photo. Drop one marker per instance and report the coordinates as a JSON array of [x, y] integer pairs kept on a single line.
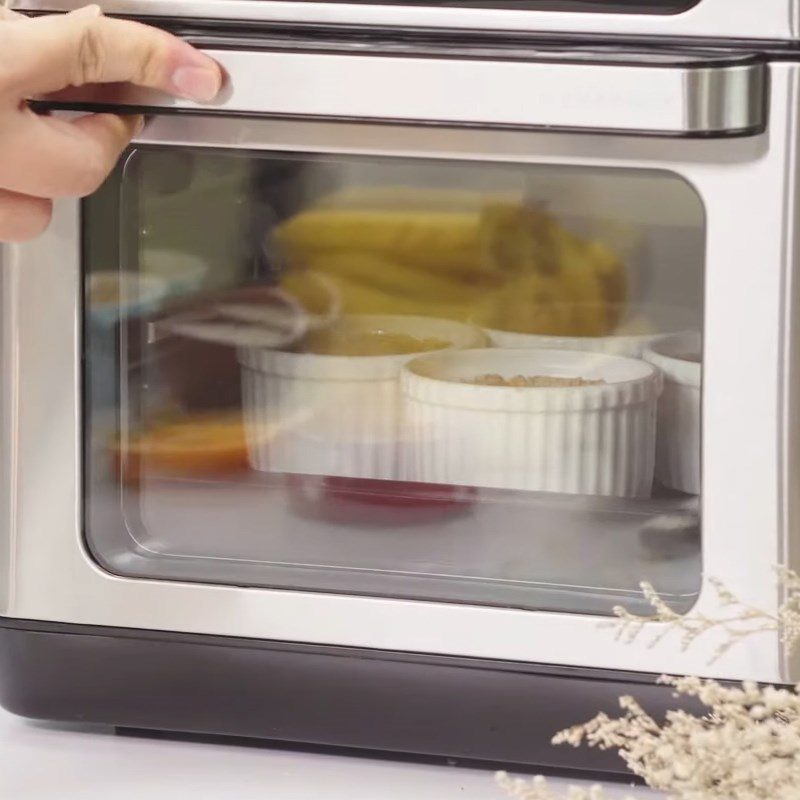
[[437, 380]]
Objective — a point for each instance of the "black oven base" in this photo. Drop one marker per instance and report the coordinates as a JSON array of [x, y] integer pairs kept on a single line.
[[494, 712]]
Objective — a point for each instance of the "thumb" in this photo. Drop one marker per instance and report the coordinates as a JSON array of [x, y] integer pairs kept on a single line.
[[46, 54]]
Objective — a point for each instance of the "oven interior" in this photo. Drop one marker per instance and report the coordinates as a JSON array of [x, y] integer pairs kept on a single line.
[[458, 381]]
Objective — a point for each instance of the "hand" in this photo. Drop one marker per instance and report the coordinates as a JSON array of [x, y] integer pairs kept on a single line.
[[42, 157]]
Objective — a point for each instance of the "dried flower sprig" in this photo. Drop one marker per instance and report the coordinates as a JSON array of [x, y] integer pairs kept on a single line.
[[746, 747], [539, 789], [742, 621]]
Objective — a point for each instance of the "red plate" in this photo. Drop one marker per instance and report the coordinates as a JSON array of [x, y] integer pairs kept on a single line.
[[387, 503]]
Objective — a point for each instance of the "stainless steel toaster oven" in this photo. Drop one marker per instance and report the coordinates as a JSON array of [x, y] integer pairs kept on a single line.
[[349, 408]]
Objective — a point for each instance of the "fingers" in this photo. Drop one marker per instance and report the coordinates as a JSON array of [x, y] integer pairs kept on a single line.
[[49, 53], [45, 157], [22, 217], [51, 157]]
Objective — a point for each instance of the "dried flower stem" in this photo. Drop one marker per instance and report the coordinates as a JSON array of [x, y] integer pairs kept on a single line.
[[741, 623], [745, 747]]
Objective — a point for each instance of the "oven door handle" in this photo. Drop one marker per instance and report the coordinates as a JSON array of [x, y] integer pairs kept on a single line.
[[653, 94]]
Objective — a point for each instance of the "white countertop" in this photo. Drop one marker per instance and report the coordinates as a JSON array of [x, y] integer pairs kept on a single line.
[[55, 762]]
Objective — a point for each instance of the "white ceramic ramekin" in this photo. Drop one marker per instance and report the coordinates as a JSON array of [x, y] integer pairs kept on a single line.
[[336, 415], [633, 336], [678, 443], [589, 440]]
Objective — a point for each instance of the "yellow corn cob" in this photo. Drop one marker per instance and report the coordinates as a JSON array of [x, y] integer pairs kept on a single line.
[[414, 198], [358, 298], [384, 275], [595, 279], [610, 271], [518, 239], [531, 304], [311, 292], [442, 263], [429, 240], [589, 311]]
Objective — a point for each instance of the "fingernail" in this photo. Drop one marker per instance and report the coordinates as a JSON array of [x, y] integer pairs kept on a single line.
[[139, 127], [196, 83], [87, 12]]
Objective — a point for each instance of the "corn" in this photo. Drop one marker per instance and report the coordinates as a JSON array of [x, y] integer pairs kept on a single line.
[[311, 292], [519, 240], [504, 265], [439, 241], [610, 272], [357, 298], [414, 198], [382, 274]]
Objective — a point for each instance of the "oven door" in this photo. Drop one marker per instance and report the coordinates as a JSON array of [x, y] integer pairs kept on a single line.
[[375, 368], [708, 19]]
